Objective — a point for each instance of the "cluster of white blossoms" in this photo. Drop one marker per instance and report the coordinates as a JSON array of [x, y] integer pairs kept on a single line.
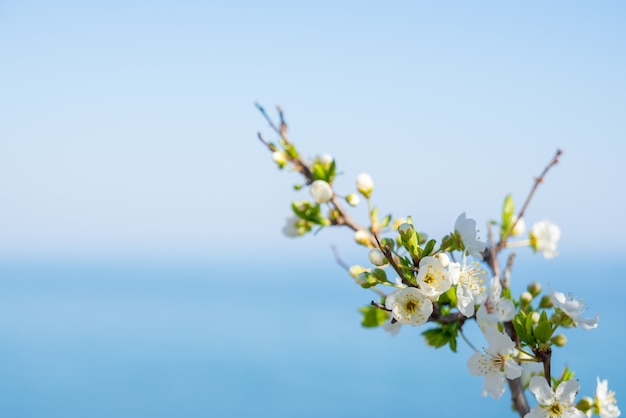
[[432, 286]]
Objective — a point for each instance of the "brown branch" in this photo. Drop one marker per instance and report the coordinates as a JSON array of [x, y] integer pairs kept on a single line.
[[389, 255], [538, 181]]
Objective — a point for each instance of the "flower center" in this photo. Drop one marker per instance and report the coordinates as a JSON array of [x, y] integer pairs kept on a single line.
[[555, 410], [410, 306]]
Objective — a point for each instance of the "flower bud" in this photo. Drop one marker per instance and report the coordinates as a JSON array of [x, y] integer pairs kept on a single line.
[[397, 223], [585, 404], [325, 159], [356, 270], [559, 340], [321, 191], [362, 237], [535, 317], [361, 278], [377, 257], [405, 228], [353, 199], [443, 259], [534, 288], [280, 158], [546, 302], [364, 184], [520, 226], [525, 298]]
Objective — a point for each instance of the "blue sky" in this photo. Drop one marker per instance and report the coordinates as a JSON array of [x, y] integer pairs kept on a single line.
[[127, 129]]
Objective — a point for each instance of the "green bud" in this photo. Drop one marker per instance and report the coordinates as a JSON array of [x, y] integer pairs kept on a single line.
[[546, 302], [585, 404], [559, 340], [534, 288]]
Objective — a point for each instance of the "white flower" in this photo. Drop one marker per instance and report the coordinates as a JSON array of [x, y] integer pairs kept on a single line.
[[364, 184], [291, 227], [377, 257], [468, 279], [409, 306], [466, 228], [496, 364], [432, 278], [605, 403], [495, 308], [574, 309], [554, 404], [543, 238], [530, 369], [321, 191]]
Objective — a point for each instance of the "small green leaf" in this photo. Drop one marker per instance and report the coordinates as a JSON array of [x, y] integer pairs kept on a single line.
[[508, 211], [430, 246], [372, 316], [385, 222]]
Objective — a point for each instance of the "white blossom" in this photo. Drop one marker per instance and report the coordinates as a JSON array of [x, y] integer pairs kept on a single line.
[[495, 364], [468, 279], [554, 404], [291, 229], [432, 278], [494, 308], [280, 158], [321, 191], [605, 403], [409, 306], [364, 184], [574, 308], [543, 238], [466, 228]]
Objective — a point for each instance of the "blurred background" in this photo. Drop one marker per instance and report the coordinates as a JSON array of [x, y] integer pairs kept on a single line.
[[142, 267]]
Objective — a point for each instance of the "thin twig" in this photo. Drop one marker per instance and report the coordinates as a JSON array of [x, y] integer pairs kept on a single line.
[[538, 181], [387, 252]]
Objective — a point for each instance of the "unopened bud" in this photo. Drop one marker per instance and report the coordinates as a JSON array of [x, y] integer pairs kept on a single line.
[[585, 404], [559, 340], [321, 191], [377, 257], [280, 158], [364, 184], [325, 159], [520, 226], [535, 317], [362, 237], [356, 270], [534, 288], [546, 302], [443, 259], [525, 298], [353, 199], [361, 278], [405, 228]]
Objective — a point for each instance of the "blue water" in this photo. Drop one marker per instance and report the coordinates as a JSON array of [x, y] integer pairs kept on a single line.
[[177, 340]]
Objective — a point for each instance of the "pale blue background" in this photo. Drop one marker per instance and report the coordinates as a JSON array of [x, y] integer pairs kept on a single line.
[[142, 270]]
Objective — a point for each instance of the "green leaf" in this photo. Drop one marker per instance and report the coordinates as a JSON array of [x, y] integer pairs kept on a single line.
[[442, 335], [319, 172], [372, 316], [519, 323], [385, 222], [543, 330], [508, 211], [529, 331], [430, 246], [330, 174]]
